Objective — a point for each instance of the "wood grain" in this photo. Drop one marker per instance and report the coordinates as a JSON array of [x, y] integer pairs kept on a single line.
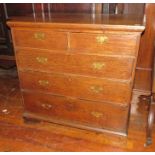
[[79, 22], [78, 41], [68, 62], [86, 113], [143, 80], [18, 136], [89, 88], [40, 39], [146, 51], [124, 44]]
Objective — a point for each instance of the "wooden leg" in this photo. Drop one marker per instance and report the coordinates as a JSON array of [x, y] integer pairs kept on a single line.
[[150, 124], [30, 120]]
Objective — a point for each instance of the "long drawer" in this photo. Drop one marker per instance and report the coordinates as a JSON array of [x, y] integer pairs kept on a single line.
[[68, 62], [44, 39], [89, 88], [115, 44], [94, 114]]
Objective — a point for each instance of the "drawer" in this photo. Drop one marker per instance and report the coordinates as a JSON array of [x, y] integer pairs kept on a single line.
[[76, 111], [115, 44], [89, 88], [92, 65], [40, 39]]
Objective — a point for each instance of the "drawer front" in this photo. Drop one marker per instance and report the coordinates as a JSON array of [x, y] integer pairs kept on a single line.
[[95, 114], [77, 86], [117, 44], [40, 39], [103, 66]]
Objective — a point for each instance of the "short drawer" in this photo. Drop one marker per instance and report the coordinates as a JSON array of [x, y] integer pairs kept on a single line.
[[92, 65], [40, 39], [115, 44], [76, 111], [89, 88]]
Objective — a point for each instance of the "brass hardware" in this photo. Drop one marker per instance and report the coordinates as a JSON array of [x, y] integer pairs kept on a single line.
[[43, 82], [42, 60], [102, 39], [98, 65], [96, 89], [96, 114], [39, 36], [46, 106]]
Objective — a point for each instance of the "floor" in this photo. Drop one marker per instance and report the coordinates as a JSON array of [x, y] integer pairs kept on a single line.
[[15, 135]]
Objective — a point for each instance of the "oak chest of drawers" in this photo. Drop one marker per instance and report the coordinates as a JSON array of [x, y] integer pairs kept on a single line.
[[78, 70]]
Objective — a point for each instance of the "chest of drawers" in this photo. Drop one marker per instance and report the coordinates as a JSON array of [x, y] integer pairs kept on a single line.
[[77, 70]]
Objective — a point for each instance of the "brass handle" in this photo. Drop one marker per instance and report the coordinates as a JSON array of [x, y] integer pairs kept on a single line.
[[41, 60], [46, 106], [102, 39], [98, 65], [96, 89], [43, 82], [96, 114], [39, 35]]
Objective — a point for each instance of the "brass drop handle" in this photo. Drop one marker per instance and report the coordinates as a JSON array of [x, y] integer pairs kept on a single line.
[[42, 60], [46, 106], [96, 114], [39, 35], [96, 89], [43, 82], [101, 39], [98, 65]]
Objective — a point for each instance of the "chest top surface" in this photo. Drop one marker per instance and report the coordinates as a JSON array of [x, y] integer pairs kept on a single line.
[[80, 21]]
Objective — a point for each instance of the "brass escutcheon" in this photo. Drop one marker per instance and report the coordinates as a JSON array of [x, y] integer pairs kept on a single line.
[[98, 65], [39, 35], [96, 89], [42, 60], [43, 82], [96, 114], [46, 106], [101, 39]]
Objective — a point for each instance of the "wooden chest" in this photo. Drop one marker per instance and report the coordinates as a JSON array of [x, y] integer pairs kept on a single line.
[[78, 70]]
